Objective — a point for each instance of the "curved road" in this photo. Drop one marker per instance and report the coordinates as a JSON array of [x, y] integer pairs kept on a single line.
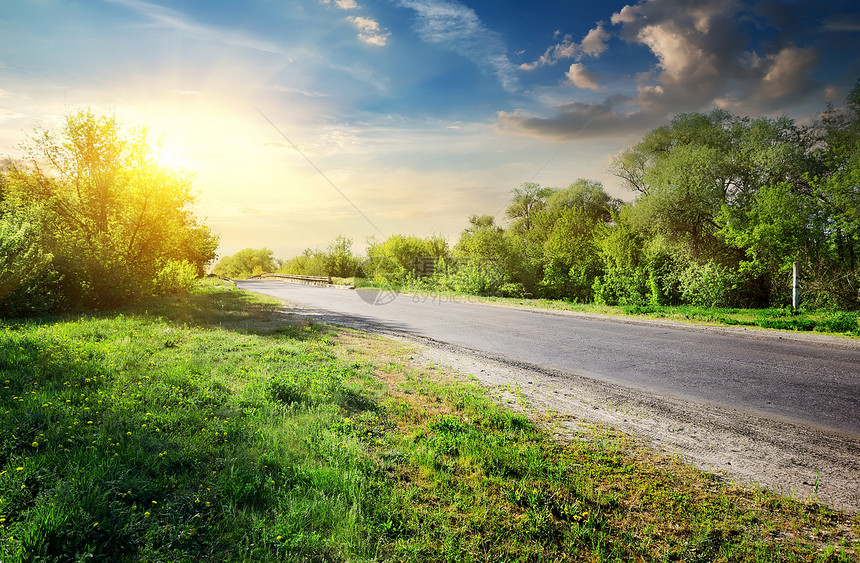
[[814, 382]]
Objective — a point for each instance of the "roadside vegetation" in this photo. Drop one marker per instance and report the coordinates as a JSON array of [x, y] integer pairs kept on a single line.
[[724, 207], [91, 219], [210, 426]]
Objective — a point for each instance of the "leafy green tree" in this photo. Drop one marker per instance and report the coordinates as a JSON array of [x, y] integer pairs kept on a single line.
[[774, 232], [395, 258], [571, 256], [587, 196], [309, 263], [482, 239], [117, 218], [339, 260], [246, 263], [527, 200]]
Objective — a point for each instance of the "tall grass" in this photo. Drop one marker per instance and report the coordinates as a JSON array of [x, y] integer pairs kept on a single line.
[[210, 427], [130, 436]]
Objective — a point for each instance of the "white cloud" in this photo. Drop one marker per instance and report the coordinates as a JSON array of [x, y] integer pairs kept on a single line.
[[581, 77], [848, 22], [173, 19], [299, 91], [369, 31], [457, 27], [593, 45], [342, 4]]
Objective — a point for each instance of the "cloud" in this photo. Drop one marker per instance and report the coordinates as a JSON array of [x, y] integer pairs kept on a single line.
[[581, 77], [576, 120], [786, 72], [369, 31], [593, 45], [299, 91], [172, 19], [456, 27], [703, 57], [843, 22], [342, 4]]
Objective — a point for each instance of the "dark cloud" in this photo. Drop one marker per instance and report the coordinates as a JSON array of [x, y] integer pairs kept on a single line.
[[705, 57], [577, 120]]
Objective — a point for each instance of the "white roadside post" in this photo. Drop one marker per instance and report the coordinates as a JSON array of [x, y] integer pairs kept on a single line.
[[794, 286]]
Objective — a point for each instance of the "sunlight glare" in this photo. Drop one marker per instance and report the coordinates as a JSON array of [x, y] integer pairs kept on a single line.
[[169, 157]]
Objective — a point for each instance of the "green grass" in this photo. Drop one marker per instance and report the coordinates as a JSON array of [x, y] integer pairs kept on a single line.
[[213, 427], [845, 323]]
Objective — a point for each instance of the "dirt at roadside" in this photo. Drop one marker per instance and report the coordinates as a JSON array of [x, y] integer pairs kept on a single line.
[[794, 460]]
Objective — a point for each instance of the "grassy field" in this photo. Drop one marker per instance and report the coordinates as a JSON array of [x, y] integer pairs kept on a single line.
[[212, 427]]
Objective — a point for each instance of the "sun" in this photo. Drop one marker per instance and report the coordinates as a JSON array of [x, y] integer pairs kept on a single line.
[[169, 156]]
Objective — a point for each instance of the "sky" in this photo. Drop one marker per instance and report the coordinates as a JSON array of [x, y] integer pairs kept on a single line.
[[303, 120]]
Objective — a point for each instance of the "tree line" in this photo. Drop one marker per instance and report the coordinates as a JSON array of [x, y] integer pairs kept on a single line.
[[724, 206], [90, 219]]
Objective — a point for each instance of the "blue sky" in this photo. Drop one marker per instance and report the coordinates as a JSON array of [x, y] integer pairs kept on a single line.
[[416, 112]]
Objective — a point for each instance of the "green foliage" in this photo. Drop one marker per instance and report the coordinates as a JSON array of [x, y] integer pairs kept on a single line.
[[141, 439], [393, 259], [708, 285], [246, 263], [571, 255], [482, 239], [113, 217], [27, 281], [587, 197], [207, 430], [478, 278], [175, 277], [527, 200], [336, 260], [725, 206]]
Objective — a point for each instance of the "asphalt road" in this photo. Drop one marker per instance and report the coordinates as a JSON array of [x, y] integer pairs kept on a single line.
[[813, 382]]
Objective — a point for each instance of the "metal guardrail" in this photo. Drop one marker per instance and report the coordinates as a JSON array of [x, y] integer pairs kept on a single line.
[[316, 279]]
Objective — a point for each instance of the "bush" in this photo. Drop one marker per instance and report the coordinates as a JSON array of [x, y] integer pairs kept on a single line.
[[708, 284], [841, 322], [479, 278], [28, 281], [175, 277]]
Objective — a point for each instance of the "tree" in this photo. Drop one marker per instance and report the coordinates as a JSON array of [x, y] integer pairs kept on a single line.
[[118, 220], [339, 260], [246, 263], [396, 256], [482, 239], [587, 196], [528, 199], [571, 259]]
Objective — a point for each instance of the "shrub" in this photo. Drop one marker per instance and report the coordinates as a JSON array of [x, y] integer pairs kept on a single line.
[[175, 277], [708, 284]]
